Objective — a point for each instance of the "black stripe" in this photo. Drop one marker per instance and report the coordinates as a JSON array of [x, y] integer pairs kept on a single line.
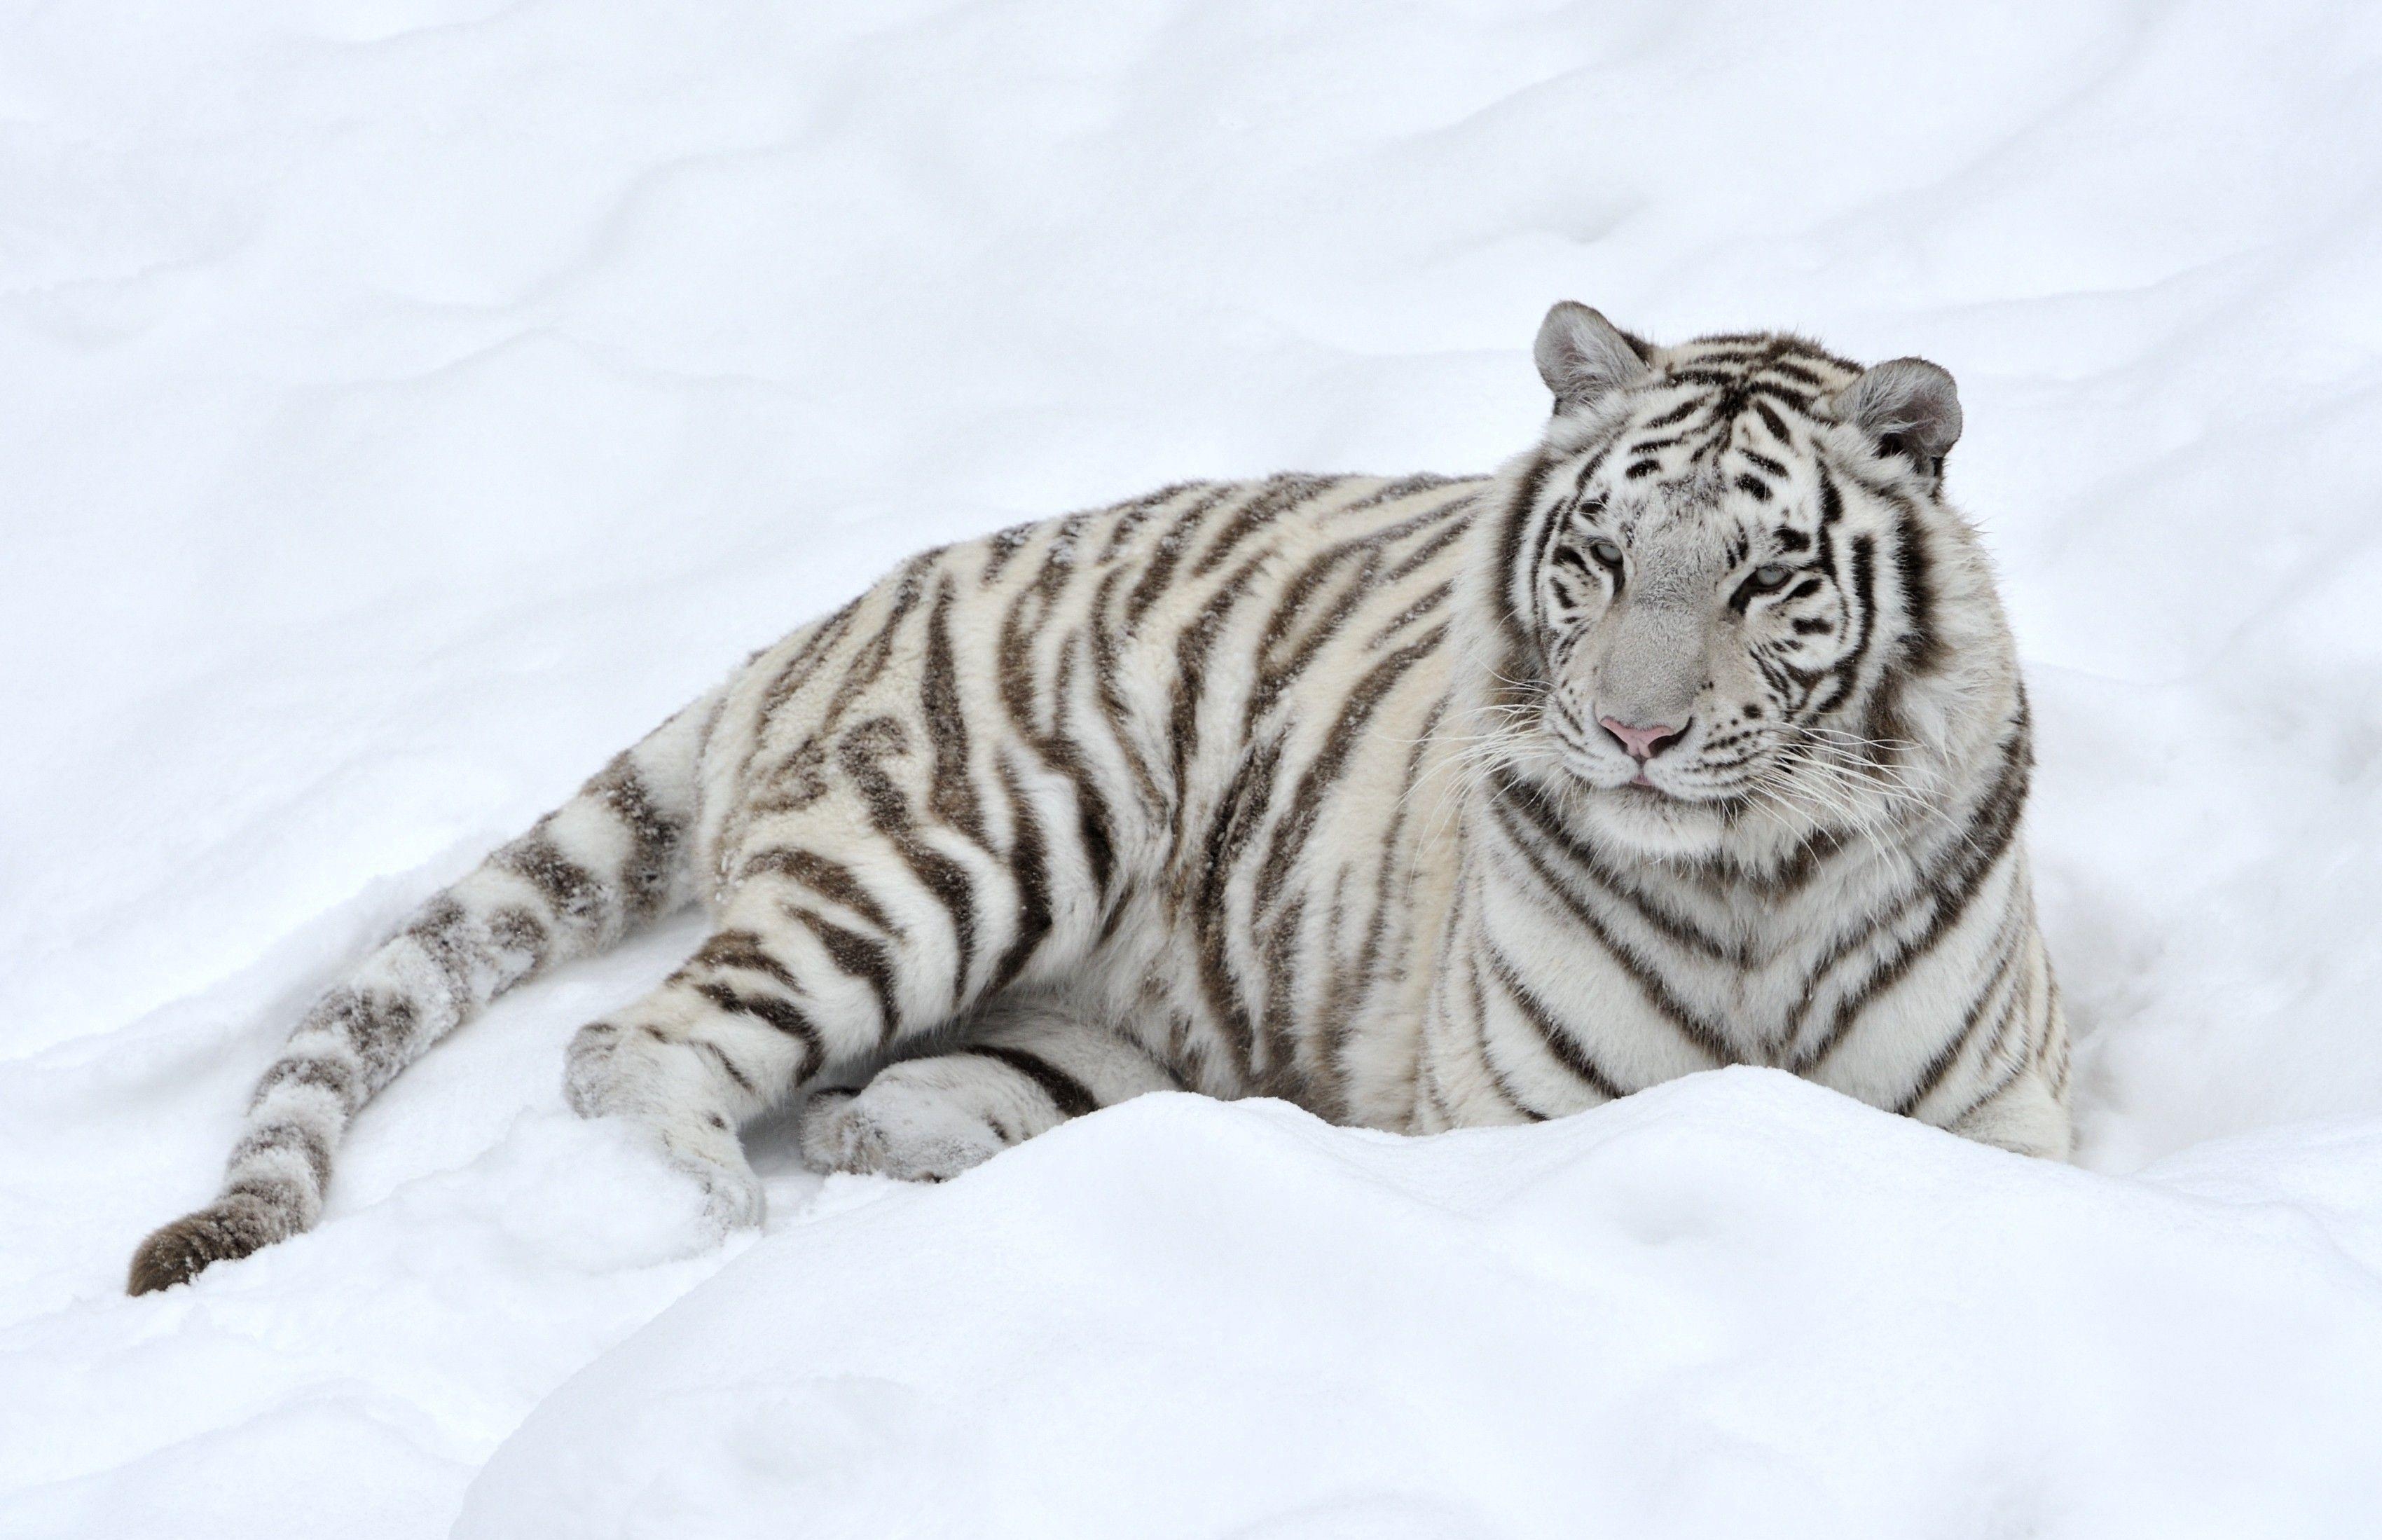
[[318, 1074], [1029, 869], [382, 1030], [888, 812], [310, 1143], [1641, 973], [783, 1015], [743, 1081], [2010, 1075], [1561, 1040], [1800, 400], [1416, 559], [1557, 523], [1427, 604], [737, 949], [446, 934], [1192, 647], [1844, 673], [1281, 1074], [796, 671], [1290, 836], [654, 836], [1497, 1082], [1516, 521], [831, 880], [1107, 667], [1131, 516], [1071, 1096], [1349, 986], [948, 880], [1931, 1074], [1001, 547], [1061, 750], [1238, 813], [571, 892], [1398, 491], [1160, 571], [1274, 498], [860, 958], [1024, 623], [1274, 674], [1974, 856], [1921, 647], [951, 795], [869, 661], [1677, 929], [515, 929]]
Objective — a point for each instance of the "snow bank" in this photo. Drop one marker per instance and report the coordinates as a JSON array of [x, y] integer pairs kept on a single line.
[[1733, 1305], [405, 404]]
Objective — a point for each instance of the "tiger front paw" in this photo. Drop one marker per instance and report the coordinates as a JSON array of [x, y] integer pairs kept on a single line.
[[714, 1159]]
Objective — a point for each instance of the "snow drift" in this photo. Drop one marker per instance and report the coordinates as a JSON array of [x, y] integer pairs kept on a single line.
[[1736, 1305]]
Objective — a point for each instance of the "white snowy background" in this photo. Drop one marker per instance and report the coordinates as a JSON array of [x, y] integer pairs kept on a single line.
[[404, 403]]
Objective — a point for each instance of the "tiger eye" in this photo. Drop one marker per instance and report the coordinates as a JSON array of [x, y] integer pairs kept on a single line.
[[1770, 574], [1605, 551]]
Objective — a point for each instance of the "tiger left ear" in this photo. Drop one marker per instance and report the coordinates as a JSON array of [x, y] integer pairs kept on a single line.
[[1583, 357], [1907, 407]]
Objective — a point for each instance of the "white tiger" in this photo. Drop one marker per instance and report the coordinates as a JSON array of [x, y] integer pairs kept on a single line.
[[1694, 736]]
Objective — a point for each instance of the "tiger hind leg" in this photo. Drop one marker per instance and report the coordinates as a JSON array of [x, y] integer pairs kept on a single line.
[[666, 1072], [762, 1009], [738, 1029], [1024, 1068]]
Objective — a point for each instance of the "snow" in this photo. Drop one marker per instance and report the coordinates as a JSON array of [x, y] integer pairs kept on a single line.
[[408, 402], [1735, 1305]]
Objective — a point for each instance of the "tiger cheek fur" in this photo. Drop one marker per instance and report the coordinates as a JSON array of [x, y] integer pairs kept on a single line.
[[1353, 791]]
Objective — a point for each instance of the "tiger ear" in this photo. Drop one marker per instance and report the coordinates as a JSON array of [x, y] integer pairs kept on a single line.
[[1583, 357], [1906, 407]]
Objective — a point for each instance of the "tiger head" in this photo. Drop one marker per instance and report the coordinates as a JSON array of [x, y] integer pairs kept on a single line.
[[1737, 613]]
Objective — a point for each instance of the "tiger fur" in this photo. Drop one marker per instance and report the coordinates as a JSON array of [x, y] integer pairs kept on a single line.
[[1694, 736]]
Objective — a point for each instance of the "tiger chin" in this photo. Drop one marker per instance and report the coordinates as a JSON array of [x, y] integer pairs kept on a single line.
[[1693, 737]]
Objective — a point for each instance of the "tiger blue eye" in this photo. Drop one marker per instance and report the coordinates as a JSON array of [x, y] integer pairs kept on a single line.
[[1606, 552], [1770, 574]]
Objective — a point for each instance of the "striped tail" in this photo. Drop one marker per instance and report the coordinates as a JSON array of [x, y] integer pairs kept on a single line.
[[612, 858]]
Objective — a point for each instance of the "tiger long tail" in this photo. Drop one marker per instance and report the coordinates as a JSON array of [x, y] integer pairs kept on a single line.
[[610, 859]]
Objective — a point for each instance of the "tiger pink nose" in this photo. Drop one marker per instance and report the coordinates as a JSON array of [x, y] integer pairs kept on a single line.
[[1643, 743]]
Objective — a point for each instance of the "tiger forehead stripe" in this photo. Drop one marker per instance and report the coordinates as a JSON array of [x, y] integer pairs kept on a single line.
[[1693, 737]]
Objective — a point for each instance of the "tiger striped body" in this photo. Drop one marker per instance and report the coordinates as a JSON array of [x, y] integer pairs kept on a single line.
[[1297, 788], [1156, 760]]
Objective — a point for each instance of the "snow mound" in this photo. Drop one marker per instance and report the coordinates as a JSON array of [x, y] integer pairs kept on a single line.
[[1735, 1305]]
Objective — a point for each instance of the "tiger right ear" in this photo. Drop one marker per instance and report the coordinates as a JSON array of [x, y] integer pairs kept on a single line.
[[1907, 407], [1583, 357]]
